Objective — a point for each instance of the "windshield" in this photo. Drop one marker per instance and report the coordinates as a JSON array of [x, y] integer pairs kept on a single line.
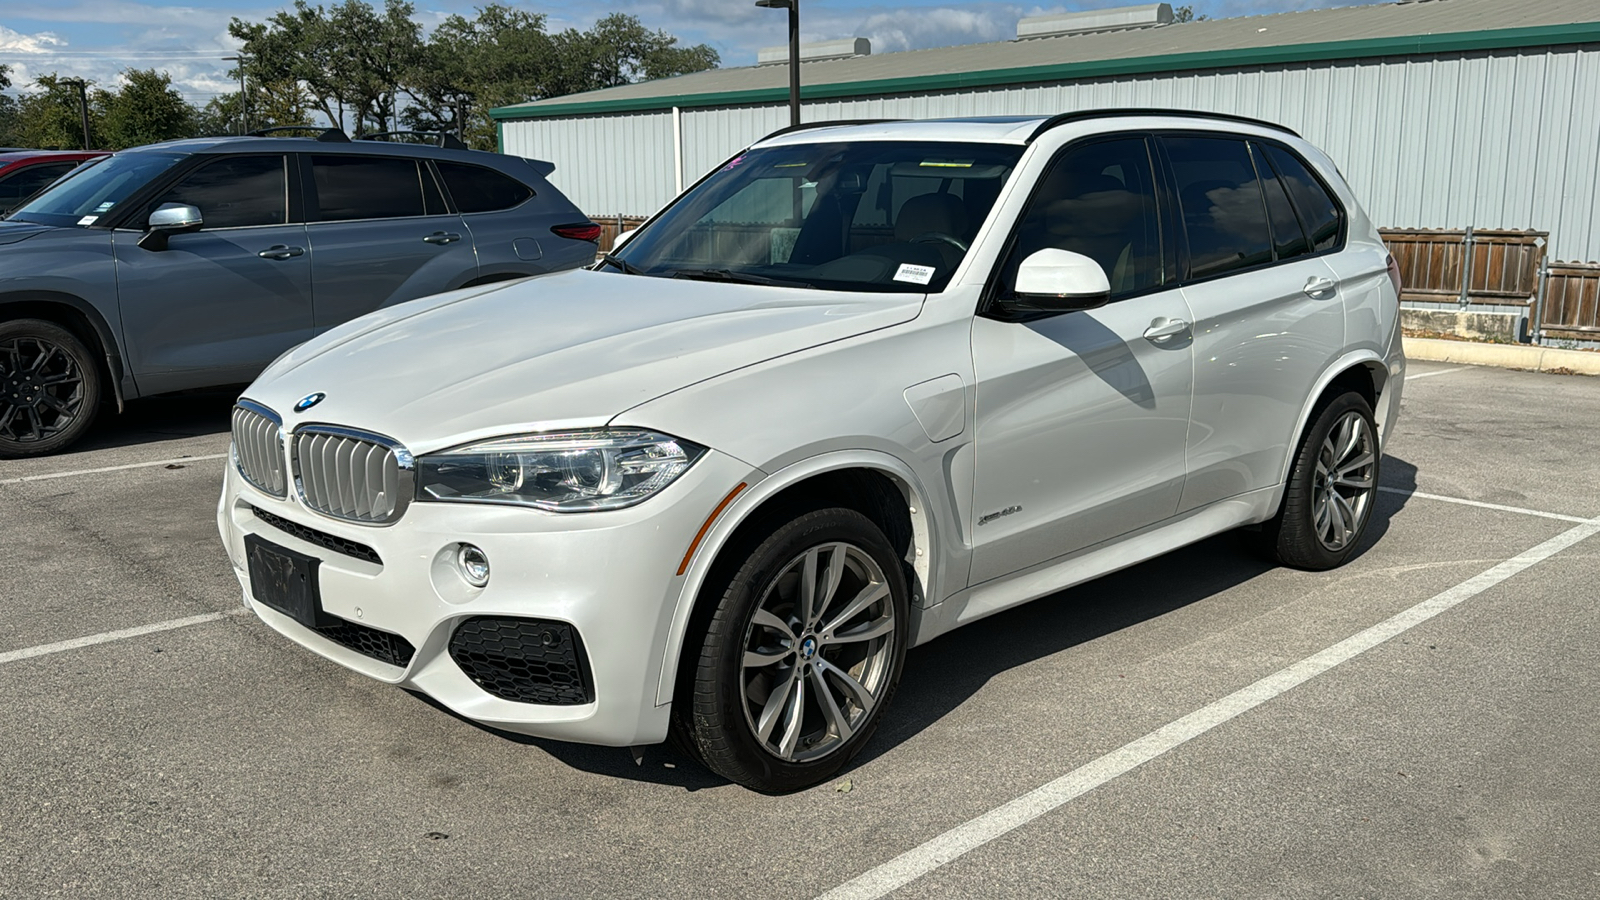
[[90, 192], [866, 216]]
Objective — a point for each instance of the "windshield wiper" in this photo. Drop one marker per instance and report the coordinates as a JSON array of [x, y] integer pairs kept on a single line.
[[735, 277], [622, 264]]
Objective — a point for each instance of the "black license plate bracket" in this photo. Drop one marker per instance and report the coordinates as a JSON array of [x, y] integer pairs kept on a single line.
[[285, 580]]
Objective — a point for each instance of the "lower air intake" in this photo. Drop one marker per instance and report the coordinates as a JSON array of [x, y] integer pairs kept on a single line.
[[379, 645], [524, 660]]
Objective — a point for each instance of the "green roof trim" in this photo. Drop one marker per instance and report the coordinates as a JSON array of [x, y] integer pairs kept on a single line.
[[1498, 39]]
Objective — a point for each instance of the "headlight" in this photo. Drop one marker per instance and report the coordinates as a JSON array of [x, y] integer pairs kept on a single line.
[[562, 471]]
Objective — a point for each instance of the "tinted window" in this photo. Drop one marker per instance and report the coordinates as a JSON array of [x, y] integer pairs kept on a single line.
[[1099, 200], [372, 187], [1288, 240], [1222, 205], [477, 189], [24, 183], [1317, 209], [235, 192]]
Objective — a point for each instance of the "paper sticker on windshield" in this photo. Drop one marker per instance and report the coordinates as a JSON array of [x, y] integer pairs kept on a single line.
[[87, 220], [914, 274], [105, 206]]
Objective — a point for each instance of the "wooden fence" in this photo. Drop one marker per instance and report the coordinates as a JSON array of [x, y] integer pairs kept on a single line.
[[1468, 266], [1570, 307], [611, 226]]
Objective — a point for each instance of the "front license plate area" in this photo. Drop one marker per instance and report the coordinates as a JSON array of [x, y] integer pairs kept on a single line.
[[285, 580]]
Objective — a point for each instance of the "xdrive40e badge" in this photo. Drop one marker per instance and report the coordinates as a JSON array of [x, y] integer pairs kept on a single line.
[[309, 401]]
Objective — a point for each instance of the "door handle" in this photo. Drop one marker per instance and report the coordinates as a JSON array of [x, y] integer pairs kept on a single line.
[[1164, 329], [1315, 286], [281, 251], [442, 237]]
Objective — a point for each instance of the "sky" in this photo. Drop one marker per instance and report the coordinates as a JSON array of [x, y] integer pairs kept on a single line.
[[97, 39]]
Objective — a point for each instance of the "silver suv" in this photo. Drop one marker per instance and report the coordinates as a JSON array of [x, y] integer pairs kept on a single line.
[[196, 263]]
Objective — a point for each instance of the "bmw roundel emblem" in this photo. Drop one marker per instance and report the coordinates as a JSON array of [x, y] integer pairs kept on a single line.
[[309, 401]]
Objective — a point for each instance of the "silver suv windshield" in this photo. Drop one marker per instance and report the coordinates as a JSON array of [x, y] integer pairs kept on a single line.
[[92, 192], [863, 216]]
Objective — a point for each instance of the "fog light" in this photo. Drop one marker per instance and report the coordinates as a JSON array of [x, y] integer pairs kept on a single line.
[[474, 565]]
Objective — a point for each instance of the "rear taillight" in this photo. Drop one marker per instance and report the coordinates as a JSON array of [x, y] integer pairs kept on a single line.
[[1394, 275], [578, 231]]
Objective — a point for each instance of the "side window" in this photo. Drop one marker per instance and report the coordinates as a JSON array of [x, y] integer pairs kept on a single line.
[[373, 187], [235, 192], [1288, 240], [480, 189], [1097, 199], [24, 183], [1317, 209], [1221, 200]]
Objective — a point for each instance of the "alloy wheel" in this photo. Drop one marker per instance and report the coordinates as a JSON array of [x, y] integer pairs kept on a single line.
[[41, 389], [1342, 491], [818, 652]]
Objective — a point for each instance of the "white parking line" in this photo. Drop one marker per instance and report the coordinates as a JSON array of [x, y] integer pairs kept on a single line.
[[106, 636], [1410, 377], [143, 465], [950, 845], [1481, 505]]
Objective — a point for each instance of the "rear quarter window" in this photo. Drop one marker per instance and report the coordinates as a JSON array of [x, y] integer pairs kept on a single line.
[[1318, 211], [479, 189]]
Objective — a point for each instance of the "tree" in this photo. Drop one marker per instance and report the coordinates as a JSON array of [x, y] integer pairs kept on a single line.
[[50, 118], [145, 109], [8, 110], [1186, 14]]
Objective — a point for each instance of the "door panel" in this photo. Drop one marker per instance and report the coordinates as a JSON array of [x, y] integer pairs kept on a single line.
[[211, 309], [1081, 427], [1260, 344], [380, 235], [1081, 419]]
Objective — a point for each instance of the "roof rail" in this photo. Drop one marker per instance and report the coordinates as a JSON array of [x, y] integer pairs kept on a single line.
[[1080, 115], [326, 135], [806, 126], [443, 139]]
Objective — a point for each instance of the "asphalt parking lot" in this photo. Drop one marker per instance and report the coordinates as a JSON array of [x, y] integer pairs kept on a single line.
[[1420, 723]]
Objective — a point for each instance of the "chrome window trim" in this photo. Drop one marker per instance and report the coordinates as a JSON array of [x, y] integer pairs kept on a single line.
[[405, 463]]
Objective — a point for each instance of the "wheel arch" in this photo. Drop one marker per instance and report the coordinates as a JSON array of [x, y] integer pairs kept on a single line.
[[77, 316], [1361, 371], [879, 486]]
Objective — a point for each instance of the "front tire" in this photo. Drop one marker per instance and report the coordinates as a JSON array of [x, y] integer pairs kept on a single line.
[[1328, 500], [49, 388], [802, 654]]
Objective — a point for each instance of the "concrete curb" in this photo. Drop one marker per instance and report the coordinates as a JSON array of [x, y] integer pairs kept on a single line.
[[1506, 356]]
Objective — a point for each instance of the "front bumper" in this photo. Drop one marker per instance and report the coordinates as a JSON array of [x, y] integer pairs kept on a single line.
[[610, 575]]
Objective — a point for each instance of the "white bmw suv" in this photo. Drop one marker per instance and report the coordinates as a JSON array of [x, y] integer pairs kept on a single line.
[[861, 385]]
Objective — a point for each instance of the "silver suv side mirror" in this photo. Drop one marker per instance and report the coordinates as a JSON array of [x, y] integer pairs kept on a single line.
[[167, 220], [1054, 280]]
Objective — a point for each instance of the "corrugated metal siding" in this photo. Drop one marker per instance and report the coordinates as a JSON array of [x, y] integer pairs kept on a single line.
[[604, 164], [1504, 139]]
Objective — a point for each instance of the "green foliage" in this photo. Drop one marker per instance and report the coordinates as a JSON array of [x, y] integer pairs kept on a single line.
[[51, 118], [1186, 14], [363, 68], [145, 109]]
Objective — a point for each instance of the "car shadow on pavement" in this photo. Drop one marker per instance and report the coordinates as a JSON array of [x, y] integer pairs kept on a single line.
[[161, 418], [944, 674]]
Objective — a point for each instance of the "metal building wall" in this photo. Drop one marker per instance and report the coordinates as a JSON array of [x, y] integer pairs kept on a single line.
[[605, 164], [1502, 139]]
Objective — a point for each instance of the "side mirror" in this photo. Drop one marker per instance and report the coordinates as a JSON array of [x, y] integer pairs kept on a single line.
[[1060, 281], [167, 220], [622, 238]]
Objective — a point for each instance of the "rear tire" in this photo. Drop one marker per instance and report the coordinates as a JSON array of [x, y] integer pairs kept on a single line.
[[801, 655], [1327, 502], [49, 388]]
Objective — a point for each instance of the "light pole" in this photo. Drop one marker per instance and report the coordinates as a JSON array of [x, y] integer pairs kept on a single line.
[[83, 104], [793, 6], [244, 113]]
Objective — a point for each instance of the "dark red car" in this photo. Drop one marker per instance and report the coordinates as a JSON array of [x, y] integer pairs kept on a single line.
[[24, 173]]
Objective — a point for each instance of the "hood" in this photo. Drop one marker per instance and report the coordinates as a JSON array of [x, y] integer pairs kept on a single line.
[[11, 232], [567, 350]]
